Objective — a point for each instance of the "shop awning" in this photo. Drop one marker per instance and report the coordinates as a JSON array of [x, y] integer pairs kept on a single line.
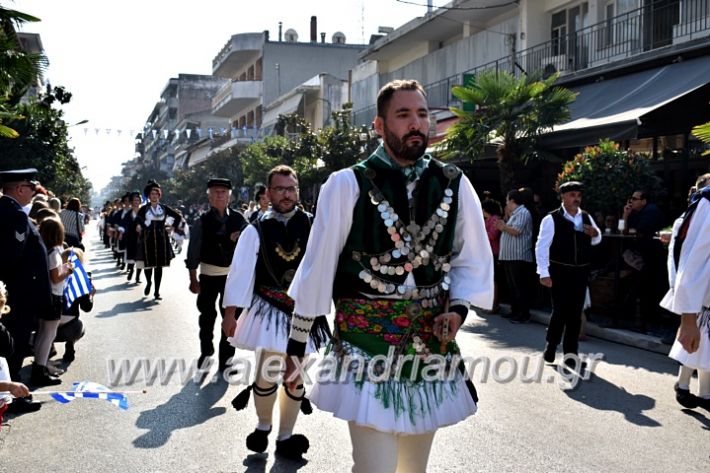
[[288, 105], [616, 108]]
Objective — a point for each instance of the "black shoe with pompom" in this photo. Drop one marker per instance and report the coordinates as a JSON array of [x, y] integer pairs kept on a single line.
[[293, 447]]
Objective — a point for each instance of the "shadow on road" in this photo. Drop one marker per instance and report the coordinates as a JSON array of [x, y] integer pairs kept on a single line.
[[602, 395], [256, 463], [192, 406], [126, 308], [502, 334], [700, 416]]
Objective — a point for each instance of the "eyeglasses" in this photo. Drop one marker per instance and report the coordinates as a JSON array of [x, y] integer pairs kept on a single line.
[[31, 186], [283, 190]]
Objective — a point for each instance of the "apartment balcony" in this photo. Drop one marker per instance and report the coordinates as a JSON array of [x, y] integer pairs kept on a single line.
[[236, 96], [240, 51]]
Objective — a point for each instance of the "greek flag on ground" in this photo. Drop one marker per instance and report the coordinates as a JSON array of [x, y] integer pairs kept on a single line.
[[89, 389], [78, 283]]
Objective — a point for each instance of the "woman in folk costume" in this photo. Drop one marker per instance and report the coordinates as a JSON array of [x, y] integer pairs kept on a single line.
[[129, 235], [153, 218], [689, 296]]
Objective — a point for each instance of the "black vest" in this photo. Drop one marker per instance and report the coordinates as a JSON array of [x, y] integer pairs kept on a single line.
[[570, 247], [217, 248], [281, 248]]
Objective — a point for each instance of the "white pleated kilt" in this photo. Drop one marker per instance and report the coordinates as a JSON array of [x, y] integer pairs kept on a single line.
[[266, 327], [427, 406], [700, 360]]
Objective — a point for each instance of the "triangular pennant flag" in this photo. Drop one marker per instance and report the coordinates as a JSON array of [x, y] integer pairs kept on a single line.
[[199, 132], [86, 130], [154, 132], [165, 134], [108, 131], [97, 131], [209, 132], [188, 132], [118, 132]]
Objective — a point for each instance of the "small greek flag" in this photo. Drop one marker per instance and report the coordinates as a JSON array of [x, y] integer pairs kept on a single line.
[[144, 199], [78, 283], [89, 389]]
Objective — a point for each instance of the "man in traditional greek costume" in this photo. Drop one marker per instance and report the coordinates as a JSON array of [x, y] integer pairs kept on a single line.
[[689, 296], [264, 263], [399, 245]]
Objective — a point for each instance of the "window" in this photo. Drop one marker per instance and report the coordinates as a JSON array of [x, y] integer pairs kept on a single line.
[[559, 33], [608, 35]]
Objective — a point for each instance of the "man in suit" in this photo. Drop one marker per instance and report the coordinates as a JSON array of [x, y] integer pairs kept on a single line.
[[24, 268]]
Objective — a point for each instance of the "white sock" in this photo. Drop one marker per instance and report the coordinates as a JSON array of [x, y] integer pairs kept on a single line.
[[684, 375]]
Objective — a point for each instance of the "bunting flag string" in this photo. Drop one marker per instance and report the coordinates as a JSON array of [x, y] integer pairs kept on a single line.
[[175, 135]]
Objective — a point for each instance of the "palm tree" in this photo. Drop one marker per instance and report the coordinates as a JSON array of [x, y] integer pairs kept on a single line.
[[509, 112], [19, 70], [702, 132]]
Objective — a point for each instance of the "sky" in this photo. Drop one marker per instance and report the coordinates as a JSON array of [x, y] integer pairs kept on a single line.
[[115, 57]]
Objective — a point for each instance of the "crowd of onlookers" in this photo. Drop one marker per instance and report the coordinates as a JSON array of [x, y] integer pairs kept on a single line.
[[40, 235], [513, 229]]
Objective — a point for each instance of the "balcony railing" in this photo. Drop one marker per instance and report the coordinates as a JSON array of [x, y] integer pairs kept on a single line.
[[648, 28]]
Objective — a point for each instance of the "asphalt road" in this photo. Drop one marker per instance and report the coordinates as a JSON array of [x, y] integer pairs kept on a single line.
[[624, 418]]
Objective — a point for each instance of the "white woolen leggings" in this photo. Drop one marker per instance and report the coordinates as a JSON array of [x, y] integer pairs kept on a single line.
[[382, 452], [46, 334], [684, 375], [288, 408]]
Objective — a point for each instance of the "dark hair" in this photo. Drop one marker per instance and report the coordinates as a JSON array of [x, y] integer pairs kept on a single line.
[[385, 94], [52, 232], [516, 196], [260, 190], [37, 205], [283, 170], [492, 207], [642, 194], [74, 204], [41, 214]]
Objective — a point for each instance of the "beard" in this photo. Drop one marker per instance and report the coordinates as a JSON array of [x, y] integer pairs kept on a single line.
[[284, 206], [403, 150]]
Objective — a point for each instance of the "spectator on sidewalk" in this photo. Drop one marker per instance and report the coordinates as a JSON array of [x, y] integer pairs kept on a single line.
[[73, 221], [492, 214], [52, 232], [516, 255], [563, 253], [24, 269], [71, 328], [16, 390], [643, 219]]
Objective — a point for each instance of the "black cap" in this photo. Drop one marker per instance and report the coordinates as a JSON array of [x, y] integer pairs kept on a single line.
[[571, 186], [18, 175], [150, 186], [219, 182]]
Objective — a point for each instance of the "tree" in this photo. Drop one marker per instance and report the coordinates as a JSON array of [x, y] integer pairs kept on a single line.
[[510, 112], [610, 176], [188, 185], [703, 134], [43, 144]]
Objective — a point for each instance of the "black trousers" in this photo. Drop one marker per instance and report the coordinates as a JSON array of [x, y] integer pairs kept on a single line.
[[569, 286], [519, 275], [210, 288]]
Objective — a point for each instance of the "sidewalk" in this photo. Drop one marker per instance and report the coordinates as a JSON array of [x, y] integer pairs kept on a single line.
[[617, 335]]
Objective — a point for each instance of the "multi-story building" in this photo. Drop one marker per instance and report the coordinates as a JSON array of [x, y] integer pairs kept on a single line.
[[32, 43], [274, 75], [641, 68], [183, 96]]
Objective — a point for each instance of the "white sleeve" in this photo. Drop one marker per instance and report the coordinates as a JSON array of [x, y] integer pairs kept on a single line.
[[312, 286], [239, 289], [542, 247], [690, 291], [471, 259], [595, 239]]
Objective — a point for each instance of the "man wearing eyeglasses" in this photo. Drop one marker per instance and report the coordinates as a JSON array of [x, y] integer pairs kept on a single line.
[[643, 219], [265, 261], [24, 268]]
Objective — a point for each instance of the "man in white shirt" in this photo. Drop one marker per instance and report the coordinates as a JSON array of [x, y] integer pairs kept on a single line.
[[563, 252]]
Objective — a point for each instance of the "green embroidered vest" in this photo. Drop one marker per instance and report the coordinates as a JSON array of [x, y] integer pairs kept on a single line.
[[392, 236]]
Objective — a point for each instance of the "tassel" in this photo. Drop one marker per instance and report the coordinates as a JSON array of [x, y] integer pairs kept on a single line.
[[306, 407], [242, 399]]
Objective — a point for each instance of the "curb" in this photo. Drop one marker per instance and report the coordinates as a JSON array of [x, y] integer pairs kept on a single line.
[[616, 335]]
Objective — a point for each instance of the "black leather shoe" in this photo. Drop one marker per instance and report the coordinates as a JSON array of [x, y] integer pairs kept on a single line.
[[520, 319], [157, 297], [685, 398], [23, 405], [146, 291], [549, 354], [258, 440], [293, 447], [40, 376]]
